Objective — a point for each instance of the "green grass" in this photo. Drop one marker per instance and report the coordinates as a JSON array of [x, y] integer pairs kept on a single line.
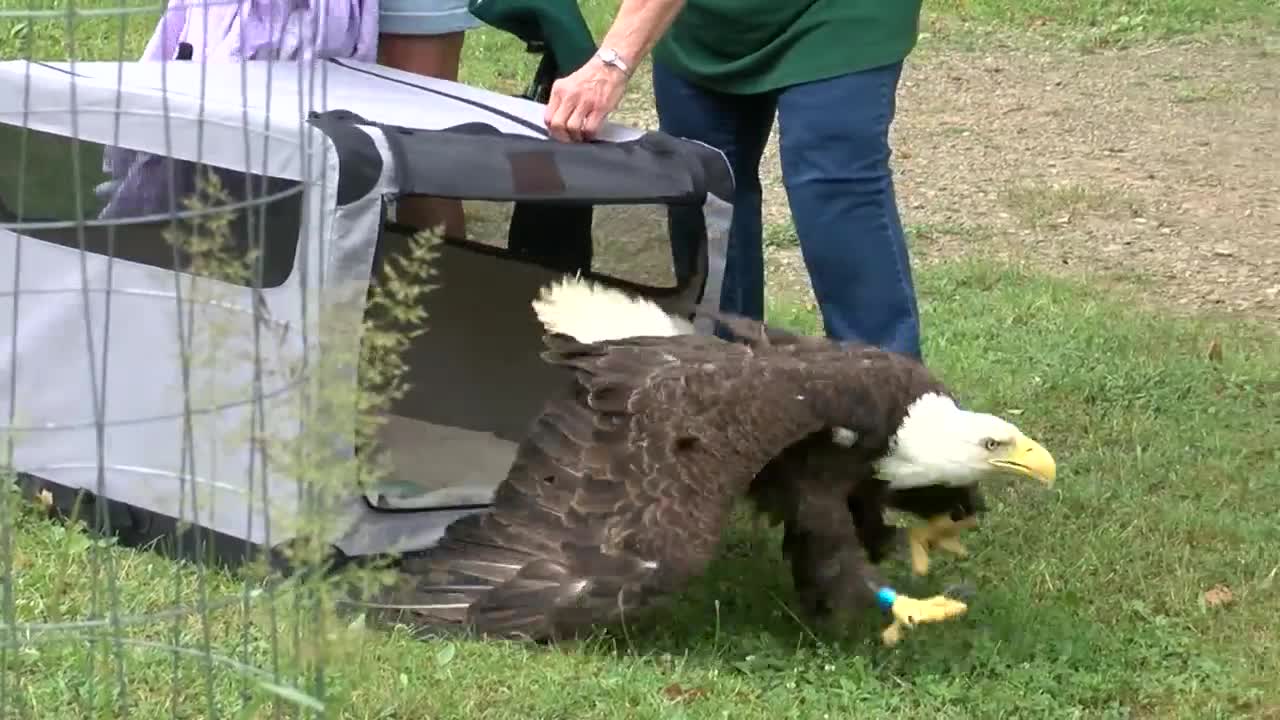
[[495, 60], [1090, 598], [1040, 204], [1121, 19]]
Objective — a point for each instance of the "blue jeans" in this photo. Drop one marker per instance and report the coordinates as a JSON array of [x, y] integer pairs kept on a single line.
[[834, 143]]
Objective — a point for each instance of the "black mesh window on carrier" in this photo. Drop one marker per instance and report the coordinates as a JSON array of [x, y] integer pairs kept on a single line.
[[237, 382]]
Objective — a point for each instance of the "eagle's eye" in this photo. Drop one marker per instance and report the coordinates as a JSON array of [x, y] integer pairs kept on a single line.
[[990, 444]]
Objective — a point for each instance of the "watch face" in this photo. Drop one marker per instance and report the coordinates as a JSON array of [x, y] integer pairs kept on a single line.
[[608, 56]]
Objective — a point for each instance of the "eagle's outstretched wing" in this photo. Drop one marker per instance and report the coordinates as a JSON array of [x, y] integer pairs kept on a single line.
[[619, 493]]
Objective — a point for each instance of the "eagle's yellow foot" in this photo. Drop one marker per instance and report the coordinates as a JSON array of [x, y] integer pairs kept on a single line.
[[941, 532], [909, 612]]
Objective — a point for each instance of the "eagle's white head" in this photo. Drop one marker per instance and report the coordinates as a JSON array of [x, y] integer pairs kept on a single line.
[[939, 442]]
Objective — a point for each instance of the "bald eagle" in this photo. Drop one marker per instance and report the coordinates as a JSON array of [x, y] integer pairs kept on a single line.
[[948, 509], [619, 493]]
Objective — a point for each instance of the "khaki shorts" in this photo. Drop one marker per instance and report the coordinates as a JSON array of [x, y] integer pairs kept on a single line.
[[424, 17]]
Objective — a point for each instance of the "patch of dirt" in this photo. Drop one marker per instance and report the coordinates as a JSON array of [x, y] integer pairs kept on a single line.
[[1156, 169], [1161, 166]]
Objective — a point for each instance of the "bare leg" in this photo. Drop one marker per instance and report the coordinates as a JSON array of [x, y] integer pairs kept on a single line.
[[436, 56]]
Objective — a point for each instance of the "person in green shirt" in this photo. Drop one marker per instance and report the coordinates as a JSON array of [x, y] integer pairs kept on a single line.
[[828, 70]]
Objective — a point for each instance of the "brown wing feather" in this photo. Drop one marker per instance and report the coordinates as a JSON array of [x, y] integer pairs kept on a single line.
[[757, 334], [618, 495]]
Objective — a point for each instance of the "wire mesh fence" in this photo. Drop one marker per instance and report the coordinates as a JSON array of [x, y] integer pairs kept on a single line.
[[219, 383], [176, 372]]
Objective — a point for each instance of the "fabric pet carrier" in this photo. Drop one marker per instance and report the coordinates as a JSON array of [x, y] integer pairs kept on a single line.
[[92, 309]]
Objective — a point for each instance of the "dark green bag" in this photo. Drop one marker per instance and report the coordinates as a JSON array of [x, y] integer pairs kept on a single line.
[[553, 234], [554, 28]]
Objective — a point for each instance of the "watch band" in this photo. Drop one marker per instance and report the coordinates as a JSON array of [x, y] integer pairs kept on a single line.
[[609, 56]]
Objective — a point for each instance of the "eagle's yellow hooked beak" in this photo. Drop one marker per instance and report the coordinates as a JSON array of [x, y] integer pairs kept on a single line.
[[1028, 458]]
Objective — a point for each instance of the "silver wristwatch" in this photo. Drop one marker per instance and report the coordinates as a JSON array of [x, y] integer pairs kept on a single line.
[[609, 56]]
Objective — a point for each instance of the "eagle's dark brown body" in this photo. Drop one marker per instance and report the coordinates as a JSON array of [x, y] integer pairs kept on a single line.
[[619, 494], [817, 458]]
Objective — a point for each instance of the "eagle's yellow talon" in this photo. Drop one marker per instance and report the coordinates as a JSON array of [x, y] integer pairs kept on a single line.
[[940, 532], [909, 612], [918, 540], [952, 545], [892, 634]]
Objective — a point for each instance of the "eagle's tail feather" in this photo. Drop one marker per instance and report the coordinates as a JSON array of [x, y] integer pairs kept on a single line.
[[590, 312], [490, 577], [465, 586], [437, 586]]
